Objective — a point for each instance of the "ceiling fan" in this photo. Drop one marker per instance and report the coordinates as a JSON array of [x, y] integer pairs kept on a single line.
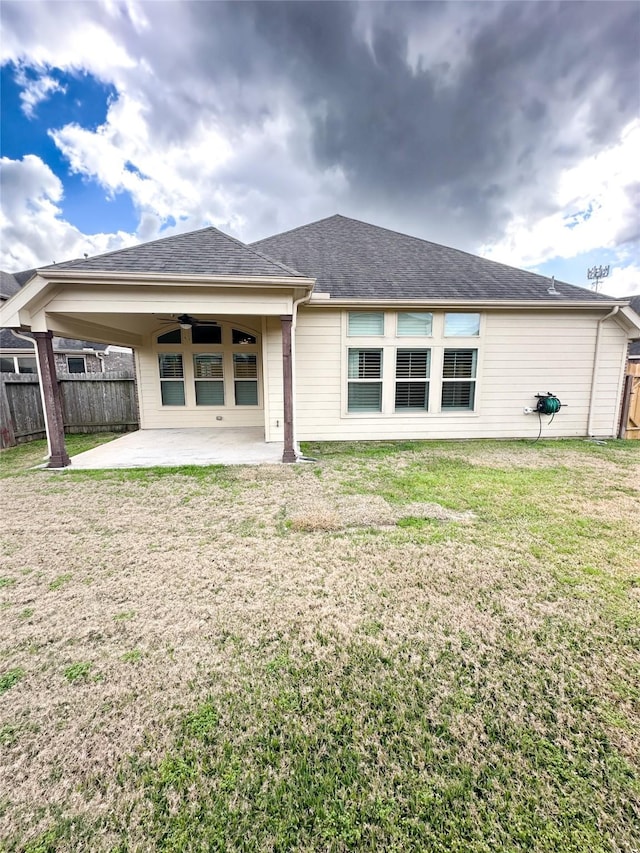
[[186, 321]]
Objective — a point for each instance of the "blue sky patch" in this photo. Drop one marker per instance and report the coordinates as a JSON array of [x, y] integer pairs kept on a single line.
[[83, 100]]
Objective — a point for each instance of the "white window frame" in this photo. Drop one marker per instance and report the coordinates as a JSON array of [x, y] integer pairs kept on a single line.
[[173, 379], [77, 357], [366, 380], [460, 380], [218, 380], [425, 381], [354, 334], [187, 349], [390, 343], [16, 363]]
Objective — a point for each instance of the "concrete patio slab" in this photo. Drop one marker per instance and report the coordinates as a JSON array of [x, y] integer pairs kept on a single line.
[[148, 448]]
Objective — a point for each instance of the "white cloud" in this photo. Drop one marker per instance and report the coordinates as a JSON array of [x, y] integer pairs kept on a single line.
[[595, 201], [36, 91], [33, 231], [213, 124], [64, 36], [623, 281]]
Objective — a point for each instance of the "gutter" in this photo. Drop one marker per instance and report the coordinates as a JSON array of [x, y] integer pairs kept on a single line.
[[594, 370], [154, 278], [320, 301], [294, 320]]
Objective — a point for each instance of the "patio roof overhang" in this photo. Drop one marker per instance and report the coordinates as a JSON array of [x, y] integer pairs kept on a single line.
[[122, 308]]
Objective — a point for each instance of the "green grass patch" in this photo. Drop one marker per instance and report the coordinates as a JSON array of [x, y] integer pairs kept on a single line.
[[132, 656], [124, 615], [15, 461], [8, 679], [60, 581], [78, 671], [393, 750]]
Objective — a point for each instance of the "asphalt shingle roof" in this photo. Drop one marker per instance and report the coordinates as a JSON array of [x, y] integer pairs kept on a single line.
[[9, 341], [204, 252], [352, 259], [8, 285]]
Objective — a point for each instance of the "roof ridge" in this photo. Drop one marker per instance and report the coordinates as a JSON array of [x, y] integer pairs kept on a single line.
[[300, 227], [262, 255]]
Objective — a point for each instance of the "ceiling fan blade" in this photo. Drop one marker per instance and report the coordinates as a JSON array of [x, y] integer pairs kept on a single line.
[[188, 320]]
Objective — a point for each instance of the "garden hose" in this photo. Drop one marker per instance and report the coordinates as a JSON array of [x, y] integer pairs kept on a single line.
[[548, 404]]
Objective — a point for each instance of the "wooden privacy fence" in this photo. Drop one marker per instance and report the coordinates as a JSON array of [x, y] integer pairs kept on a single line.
[[630, 418], [91, 402]]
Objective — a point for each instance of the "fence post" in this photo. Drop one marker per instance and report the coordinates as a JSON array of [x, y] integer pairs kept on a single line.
[[7, 435]]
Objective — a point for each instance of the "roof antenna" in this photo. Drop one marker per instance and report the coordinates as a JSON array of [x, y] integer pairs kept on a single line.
[[85, 256], [552, 290]]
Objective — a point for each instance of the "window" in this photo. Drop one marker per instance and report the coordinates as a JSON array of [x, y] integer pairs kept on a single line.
[[363, 323], [365, 380], [412, 379], [171, 379], [242, 338], [7, 364], [76, 364], [245, 376], [172, 337], [26, 364], [414, 325], [206, 334], [459, 378], [207, 370], [461, 325]]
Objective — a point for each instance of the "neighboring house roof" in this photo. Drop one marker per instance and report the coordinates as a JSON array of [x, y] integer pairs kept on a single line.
[[8, 285], [352, 259], [204, 252], [9, 341]]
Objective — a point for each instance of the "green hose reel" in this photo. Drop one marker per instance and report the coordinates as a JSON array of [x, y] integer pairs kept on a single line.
[[548, 404]]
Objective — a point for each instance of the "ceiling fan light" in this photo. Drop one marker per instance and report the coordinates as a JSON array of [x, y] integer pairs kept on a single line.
[[185, 325]]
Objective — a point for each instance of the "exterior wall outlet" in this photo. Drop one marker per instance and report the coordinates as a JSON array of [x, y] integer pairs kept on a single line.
[[528, 410]]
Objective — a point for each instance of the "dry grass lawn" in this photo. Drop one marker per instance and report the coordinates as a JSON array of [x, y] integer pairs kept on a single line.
[[398, 647]]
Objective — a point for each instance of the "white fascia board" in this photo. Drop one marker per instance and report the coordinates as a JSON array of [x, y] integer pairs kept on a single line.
[[10, 310], [151, 279], [630, 321]]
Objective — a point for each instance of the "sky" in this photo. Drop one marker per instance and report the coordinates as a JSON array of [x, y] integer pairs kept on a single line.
[[507, 129]]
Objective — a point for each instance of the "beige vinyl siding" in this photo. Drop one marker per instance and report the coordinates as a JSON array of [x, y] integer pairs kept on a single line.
[[167, 299], [273, 387], [318, 375], [520, 353], [609, 379]]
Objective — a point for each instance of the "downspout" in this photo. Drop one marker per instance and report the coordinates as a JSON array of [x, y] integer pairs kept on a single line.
[[594, 371], [294, 321], [44, 408]]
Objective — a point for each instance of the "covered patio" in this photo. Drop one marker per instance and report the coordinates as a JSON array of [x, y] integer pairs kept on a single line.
[[212, 326], [151, 448]]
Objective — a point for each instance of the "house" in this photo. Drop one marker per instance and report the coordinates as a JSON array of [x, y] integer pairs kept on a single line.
[[335, 330], [634, 346], [17, 351]]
